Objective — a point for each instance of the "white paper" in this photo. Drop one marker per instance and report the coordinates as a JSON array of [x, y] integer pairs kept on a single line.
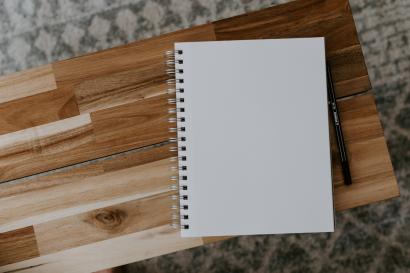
[[257, 137]]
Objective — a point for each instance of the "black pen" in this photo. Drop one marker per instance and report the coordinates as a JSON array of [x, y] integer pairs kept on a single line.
[[338, 128]]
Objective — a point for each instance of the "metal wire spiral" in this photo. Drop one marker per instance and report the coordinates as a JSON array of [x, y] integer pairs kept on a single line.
[[175, 70]]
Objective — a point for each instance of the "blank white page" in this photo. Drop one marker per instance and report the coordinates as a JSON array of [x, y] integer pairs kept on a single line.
[[257, 137]]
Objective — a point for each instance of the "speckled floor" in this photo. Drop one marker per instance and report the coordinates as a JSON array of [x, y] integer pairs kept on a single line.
[[373, 238]]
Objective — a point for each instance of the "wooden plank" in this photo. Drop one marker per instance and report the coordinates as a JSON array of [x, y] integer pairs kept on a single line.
[[45, 147], [293, 15], [105, 223], [87, 188], [108, 253], [372, 172], [27, 83], [210, 240], [132, 125], [122, 87], [360, 118], [349, 71], [36, 110], [49, 180], [345, 87], [18, 245], [124, 74]]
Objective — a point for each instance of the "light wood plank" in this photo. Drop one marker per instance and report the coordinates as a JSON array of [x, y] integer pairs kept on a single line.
[[27, 83], [109, 253], [105, 223], [47, 180]]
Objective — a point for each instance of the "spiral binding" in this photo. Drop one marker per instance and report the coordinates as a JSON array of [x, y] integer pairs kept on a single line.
[[175, 71]]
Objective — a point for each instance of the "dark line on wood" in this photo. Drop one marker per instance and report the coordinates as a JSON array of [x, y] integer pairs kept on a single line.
[[358, 94], [24, 268], [143, 148]]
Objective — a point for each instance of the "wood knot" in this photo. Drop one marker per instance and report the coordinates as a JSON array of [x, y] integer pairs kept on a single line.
[[109, 219]]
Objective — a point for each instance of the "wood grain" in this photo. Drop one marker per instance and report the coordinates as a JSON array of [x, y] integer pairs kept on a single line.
[[18, 245], [105, 223], [84, 137], [37, 110], [124, 74], [132, 125], [121, 87], [27, 83], [296, 14], [102, 184], [372, 172], [344, 87], [339, 29], [45, 147], [108, 253], [348, 66]]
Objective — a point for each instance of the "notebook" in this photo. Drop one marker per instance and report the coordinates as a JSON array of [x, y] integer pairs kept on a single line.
[[253, 138]]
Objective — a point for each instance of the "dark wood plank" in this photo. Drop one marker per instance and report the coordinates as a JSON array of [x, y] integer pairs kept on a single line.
[[36, 110], [306, 18], [18, 245], [132, 125], [349, 71]]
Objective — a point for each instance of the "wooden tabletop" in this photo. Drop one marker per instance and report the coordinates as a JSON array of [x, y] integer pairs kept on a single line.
[[108, 111]]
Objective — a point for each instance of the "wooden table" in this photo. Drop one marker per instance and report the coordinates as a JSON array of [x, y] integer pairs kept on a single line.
[[115, 208]]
